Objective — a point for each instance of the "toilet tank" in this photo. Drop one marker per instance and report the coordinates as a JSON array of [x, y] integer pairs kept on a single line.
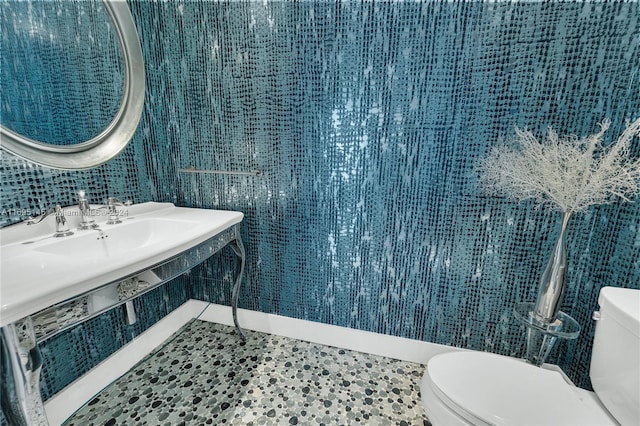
[[615, 361]]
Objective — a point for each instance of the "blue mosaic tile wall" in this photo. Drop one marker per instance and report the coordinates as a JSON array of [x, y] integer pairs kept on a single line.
[[367, 121]]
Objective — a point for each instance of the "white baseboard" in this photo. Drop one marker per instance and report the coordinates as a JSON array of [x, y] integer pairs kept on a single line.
[[331, 335]]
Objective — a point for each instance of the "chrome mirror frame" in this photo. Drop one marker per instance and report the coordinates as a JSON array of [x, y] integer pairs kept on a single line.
[[118, 133]]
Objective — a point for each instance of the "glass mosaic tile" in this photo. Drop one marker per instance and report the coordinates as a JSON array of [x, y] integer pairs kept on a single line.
[[204, 375]]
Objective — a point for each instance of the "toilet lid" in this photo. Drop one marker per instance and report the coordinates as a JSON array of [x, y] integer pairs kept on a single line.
[[499, 390]]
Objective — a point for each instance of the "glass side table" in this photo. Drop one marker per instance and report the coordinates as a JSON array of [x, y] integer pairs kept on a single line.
[[542, 335]]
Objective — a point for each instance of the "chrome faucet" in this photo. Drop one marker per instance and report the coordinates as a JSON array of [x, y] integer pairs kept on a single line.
[[62, 229], [85, 212], [112, 202]]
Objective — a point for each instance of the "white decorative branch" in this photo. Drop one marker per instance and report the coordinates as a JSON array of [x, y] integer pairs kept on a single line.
[[567, 173]]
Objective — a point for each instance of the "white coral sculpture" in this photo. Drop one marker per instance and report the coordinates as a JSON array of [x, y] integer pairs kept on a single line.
[[566, 173]]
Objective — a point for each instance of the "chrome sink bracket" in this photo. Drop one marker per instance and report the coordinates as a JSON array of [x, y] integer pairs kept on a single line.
[[238, 249], [21, 365]]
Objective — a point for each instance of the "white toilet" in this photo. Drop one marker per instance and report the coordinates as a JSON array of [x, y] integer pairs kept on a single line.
[[478, 388]]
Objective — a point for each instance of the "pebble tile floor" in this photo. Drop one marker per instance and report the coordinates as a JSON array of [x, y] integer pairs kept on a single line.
[[203, 375]]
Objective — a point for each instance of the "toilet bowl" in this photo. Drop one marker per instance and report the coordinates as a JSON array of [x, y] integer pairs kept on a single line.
[[478, 388]]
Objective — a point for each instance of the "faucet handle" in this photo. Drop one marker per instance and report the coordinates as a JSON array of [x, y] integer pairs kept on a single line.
[[31, 220], [35, 220], [112, 202], [83, 202], [62, 229], [86, 213]]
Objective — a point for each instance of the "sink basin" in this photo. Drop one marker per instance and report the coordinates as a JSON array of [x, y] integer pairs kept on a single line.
[[38, 271], [130, 235]]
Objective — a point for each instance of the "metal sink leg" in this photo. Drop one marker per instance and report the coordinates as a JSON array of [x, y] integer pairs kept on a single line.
[[238, 249], [21, 364]]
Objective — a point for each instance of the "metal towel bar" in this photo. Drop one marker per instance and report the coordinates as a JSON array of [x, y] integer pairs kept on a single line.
[[221, 172]]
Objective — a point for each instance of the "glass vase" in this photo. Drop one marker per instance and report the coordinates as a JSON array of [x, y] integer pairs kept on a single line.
[[553, 280], [544, 321]]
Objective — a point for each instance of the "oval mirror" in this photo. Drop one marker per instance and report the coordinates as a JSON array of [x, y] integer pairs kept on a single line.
[[84, 154]]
